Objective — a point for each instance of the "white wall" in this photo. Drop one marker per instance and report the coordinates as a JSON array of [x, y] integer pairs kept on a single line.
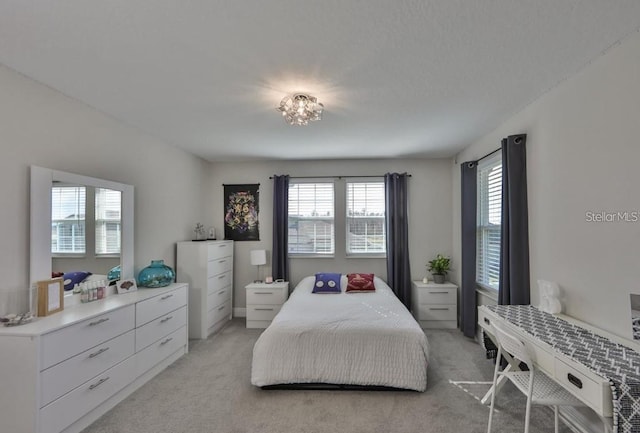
[[582, 155], [39, 126], [429, 212]]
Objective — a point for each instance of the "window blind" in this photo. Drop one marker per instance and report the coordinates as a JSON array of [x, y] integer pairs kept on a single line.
[[365, 221], [68, 219], [489, 221], [311, 218], [108, 221]]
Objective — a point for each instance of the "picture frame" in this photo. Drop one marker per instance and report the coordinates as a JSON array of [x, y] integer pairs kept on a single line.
[[50, 296], [241, 212], [126, 286]]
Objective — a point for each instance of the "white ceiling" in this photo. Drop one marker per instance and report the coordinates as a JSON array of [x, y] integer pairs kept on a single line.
[[405, 78]]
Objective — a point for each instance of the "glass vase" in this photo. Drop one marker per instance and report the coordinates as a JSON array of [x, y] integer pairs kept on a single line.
[[157, 274]]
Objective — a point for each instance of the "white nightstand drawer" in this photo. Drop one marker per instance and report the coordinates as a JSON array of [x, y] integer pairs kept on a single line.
[[437, 312], [218, 266], [217, 282], [152, 308], [262, 312], [157, 329], [273, 296], [65, 376], [67, 342], [429, 295], [220, 250]]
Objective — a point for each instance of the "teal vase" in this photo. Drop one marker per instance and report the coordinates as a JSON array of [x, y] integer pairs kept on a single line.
[[157, 274]]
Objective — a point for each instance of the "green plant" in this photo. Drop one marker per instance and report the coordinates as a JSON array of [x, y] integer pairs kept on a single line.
[[439, 265]]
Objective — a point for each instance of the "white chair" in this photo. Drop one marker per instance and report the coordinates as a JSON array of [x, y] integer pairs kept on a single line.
[[534, 384]]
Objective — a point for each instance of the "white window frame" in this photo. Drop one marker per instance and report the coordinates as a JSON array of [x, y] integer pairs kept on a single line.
[[108, 222], [489, 221], [372, 213], [327, 206]]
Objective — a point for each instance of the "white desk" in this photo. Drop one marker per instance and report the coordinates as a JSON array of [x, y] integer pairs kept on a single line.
[[587, 385]]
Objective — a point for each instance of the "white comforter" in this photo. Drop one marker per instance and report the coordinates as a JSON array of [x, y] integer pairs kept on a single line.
[[347, 338]]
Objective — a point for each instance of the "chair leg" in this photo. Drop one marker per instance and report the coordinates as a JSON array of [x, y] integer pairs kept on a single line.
[[555, 413], [527, 416], [493, 394]]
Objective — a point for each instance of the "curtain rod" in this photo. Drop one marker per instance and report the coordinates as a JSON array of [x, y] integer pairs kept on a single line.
[[488, 154], [331, 177]]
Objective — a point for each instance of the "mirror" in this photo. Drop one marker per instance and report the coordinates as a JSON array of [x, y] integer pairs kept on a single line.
[[86, 237]]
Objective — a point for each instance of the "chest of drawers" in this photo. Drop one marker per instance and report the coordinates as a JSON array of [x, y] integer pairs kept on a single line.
[[208, 269], [66, 370]]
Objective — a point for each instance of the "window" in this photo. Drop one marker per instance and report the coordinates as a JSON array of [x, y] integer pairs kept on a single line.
[[107, 221], [365, 220], [311, 218], [68, 219], [489, 221]]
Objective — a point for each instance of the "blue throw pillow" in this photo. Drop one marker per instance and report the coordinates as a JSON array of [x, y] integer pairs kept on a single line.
[[73, 278], [327, 283]]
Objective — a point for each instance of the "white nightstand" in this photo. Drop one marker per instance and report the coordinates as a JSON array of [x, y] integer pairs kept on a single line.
[[264, 301], [435, 305]]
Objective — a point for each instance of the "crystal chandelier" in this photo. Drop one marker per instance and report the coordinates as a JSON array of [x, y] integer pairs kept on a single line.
[[299, 109]]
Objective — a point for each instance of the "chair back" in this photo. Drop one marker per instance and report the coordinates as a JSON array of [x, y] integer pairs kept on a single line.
[[513, 345]]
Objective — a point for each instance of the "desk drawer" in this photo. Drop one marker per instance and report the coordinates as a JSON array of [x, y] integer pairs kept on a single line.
[[152, 308], [579, 384], [220, 250], [72, 340], [217, 282], [437, 312], [157, 329], [65, 376], [70, 407], [262, 312], [266, 296], [436, 296]]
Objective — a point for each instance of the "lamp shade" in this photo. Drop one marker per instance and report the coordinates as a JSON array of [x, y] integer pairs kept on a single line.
[[258, 257]]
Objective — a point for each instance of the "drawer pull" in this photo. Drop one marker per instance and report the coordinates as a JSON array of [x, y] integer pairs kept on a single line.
[[166, 319], [221, 308], [443, 292], [222, 292], [439, 309], [574, 380], [263, 293], [166, 341], [487, 321], [97, 322], [94, 354], [165, 297], [222, 246], [264, 309], [98, 383], [222, 261], [221, 277]]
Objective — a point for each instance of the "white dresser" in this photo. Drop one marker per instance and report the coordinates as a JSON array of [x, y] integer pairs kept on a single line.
[[64, 371], [435, 305], [264, 302], [207, 267]]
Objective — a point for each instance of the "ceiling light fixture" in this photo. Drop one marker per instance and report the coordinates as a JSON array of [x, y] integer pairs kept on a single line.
[[299, 109]]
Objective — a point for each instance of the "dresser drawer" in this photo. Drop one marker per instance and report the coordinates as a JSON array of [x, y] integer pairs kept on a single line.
[[437, 312], [65, 376], [266, 296], [262, 312], [152, 308], [159, 328], [68, 342], [580, 385], [436, 296], [220, 250], [218, 282], [218, 298], [159, 350], [218, 313], [218, 266], [64, 411]]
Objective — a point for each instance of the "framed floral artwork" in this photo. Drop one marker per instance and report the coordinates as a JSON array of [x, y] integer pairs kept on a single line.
[[241, 209]]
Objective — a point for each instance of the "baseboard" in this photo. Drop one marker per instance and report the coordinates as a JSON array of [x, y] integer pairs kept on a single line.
[[239, 312]]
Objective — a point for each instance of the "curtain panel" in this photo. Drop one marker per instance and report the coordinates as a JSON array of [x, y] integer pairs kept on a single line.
[[468, 301], [280, 255]]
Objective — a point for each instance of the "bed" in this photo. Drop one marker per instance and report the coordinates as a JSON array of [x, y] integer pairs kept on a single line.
[[362, 339]]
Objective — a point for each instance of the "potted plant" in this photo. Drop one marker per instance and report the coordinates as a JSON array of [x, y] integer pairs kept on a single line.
[[439, 268]]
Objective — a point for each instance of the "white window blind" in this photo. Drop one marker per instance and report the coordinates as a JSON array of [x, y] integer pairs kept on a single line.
[[311, 218], [68, 219], [365, 218], [489, 221], [108, 225]]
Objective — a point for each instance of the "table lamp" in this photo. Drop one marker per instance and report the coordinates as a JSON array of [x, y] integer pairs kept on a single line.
[[258, 258]]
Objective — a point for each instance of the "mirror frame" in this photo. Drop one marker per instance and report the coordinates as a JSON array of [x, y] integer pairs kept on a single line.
[[40, 251]]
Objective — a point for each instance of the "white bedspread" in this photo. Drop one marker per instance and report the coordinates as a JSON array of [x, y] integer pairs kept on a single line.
[[347, 338]]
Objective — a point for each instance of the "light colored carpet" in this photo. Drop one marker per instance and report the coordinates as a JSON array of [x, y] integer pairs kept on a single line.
[[209, 391]]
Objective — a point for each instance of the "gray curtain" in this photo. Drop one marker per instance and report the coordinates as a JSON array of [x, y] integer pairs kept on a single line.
[[468, 307], [279, 255], [514, 243], [397, 227]]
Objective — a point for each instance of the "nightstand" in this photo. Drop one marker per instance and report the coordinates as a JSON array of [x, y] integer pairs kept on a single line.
[[264, 301], [435, 305]]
